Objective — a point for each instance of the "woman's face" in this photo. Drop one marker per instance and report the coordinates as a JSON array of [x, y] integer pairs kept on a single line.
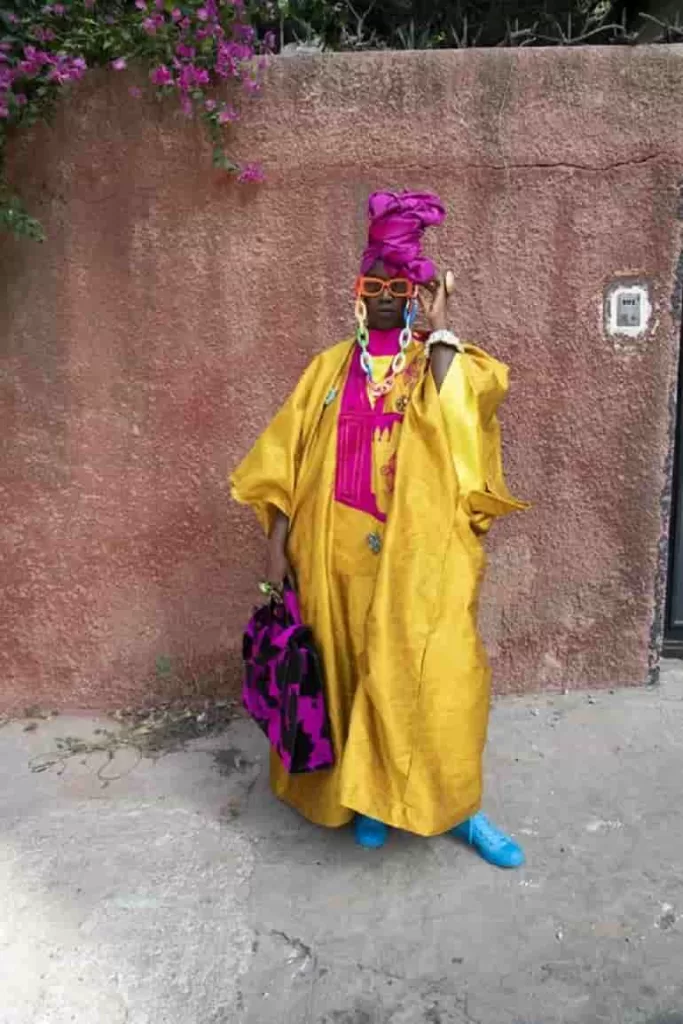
[[385, 312]]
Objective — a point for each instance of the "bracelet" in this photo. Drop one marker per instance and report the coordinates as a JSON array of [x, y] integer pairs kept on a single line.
[[444, 337]]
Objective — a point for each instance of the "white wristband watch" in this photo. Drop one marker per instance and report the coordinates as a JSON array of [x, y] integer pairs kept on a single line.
[[444, 337]]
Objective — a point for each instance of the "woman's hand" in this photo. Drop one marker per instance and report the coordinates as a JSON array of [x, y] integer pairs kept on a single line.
[[433, 298], [434, 301]]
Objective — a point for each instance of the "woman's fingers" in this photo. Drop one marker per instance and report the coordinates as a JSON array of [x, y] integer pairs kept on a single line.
[[433, 299]]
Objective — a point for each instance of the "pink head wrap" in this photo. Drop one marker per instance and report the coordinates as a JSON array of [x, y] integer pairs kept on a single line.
[[398, 221]]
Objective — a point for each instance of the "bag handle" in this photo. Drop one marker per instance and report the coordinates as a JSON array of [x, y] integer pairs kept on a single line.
[[285, 596], [291, 603]]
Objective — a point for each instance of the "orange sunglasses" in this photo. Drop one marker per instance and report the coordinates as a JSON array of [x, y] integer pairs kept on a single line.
[[373, 287]]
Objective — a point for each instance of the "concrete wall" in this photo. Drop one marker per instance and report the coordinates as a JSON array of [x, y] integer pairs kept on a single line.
[[169, 313]]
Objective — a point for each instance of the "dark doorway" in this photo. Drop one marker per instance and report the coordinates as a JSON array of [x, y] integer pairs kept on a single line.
[[673, 633]]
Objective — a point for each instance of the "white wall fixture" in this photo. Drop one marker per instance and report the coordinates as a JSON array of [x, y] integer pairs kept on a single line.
[[628, 310]]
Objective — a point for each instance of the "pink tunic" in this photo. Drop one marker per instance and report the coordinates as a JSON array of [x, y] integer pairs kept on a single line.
[[360, 426]]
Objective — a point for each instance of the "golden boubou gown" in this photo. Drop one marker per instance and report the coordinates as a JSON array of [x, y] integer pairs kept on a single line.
[[393, 605]]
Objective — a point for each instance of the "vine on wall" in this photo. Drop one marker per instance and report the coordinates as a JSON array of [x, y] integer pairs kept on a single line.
[[190, 50]]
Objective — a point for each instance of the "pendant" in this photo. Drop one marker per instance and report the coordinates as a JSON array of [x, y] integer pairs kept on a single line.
[[330, 397], [382, 389]]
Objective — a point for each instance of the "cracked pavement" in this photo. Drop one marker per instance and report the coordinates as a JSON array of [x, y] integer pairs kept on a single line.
[[178, 891]]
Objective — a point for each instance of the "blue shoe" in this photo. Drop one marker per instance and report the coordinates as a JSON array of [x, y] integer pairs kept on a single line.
[[492, 844], [370, 833]]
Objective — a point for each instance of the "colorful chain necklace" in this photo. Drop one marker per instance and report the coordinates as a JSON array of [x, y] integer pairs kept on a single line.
[[398, 363]]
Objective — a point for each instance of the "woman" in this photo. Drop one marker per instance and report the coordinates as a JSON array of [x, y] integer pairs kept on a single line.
[[374, 485]]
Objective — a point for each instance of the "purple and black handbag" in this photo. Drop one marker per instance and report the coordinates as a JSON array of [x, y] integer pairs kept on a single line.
[[284, 688]]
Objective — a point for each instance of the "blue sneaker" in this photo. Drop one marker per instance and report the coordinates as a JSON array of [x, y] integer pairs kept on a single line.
[[492, 844], [370, 833]]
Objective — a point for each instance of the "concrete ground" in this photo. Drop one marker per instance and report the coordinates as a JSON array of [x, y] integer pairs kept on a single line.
[[178, 891]]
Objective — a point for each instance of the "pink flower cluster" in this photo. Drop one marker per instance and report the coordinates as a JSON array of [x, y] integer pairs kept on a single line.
[[231, 55], [212, 45], [34, 64], [204, 44], [251, 174]]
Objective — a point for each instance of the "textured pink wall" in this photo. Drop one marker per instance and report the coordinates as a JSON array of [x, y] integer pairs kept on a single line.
[[149, 340]]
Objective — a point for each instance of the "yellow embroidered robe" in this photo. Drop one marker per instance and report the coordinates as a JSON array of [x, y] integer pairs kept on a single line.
[[407, 678]]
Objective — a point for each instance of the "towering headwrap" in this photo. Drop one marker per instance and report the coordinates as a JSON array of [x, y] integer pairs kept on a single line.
[[398, 221]]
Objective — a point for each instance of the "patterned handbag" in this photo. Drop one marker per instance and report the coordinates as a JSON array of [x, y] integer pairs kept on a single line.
[[283, 687]]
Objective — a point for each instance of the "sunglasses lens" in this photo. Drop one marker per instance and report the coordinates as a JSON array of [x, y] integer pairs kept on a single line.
[[370, 287], [400, 288]]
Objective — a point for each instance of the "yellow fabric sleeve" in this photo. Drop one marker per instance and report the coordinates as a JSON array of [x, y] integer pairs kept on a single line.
[[267, 478], [474, 388]]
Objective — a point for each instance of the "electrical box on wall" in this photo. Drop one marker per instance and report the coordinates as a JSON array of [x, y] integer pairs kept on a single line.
[[628, 309]]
